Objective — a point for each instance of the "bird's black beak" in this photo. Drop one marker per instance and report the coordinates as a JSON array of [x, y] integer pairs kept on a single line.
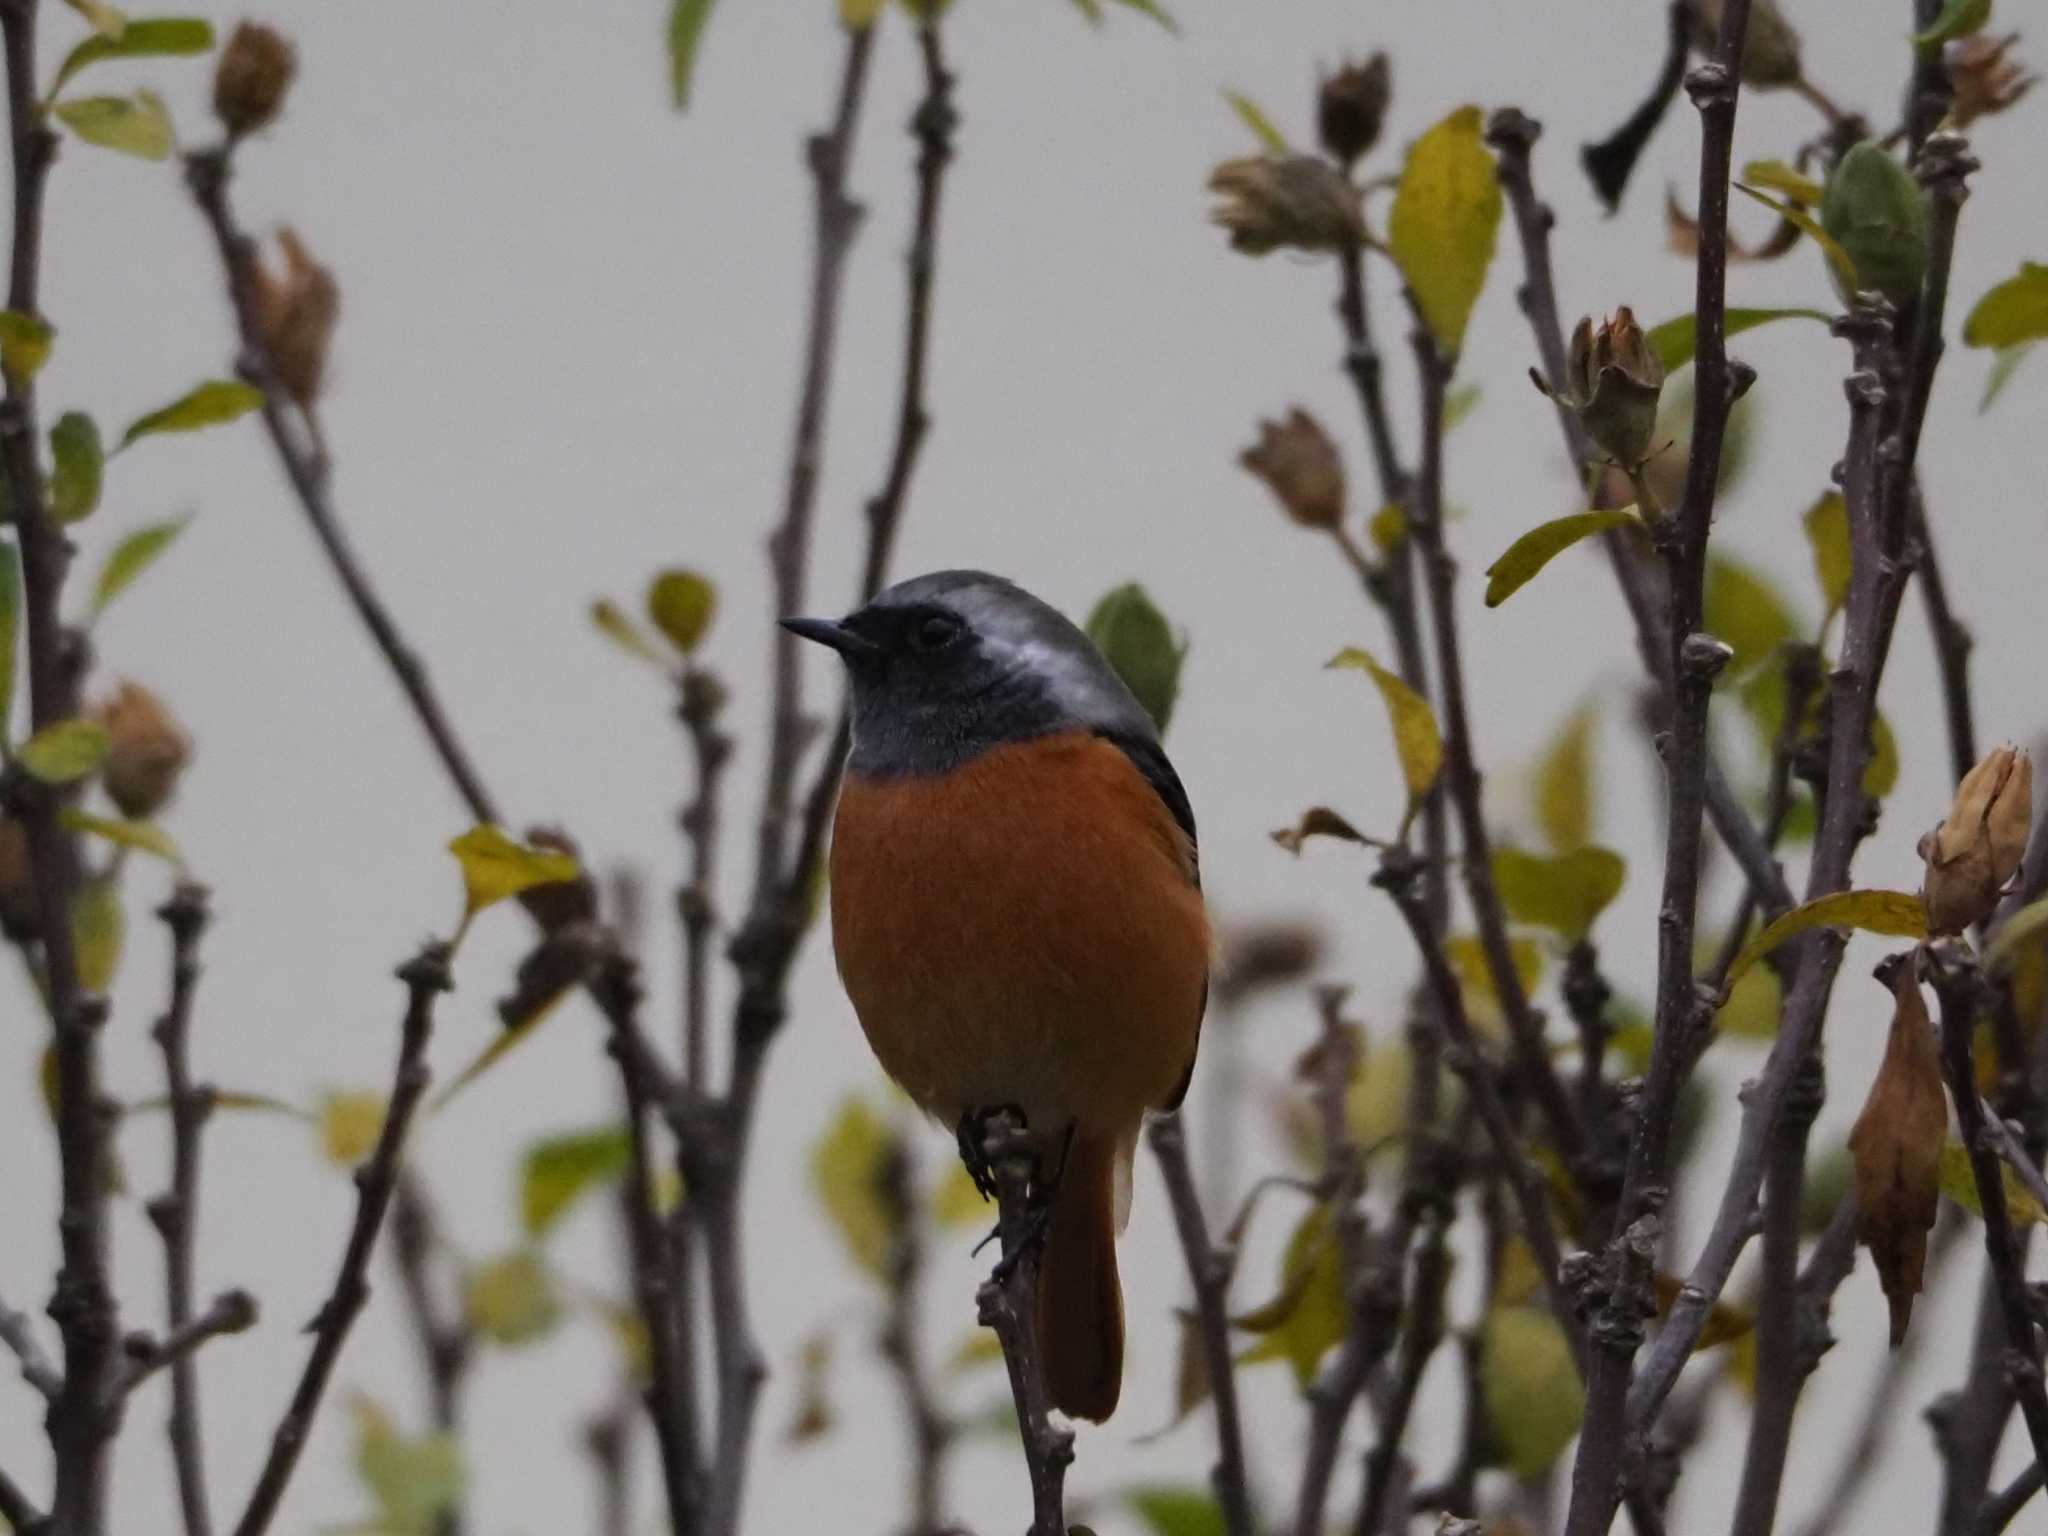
[[832, 634]]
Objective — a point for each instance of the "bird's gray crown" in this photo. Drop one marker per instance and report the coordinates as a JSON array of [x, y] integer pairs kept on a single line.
[[948, 665]]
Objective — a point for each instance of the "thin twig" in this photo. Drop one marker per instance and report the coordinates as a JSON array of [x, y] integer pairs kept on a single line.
[[1210, 1267], [17, 1509], [426, 976], [446, 1342], [900, 1341], [231, 1312], [1007, 1303], [1424, 1331], [175, 1212], [37, 1368], [83, 1420], [2003, 1507], [208, 172]]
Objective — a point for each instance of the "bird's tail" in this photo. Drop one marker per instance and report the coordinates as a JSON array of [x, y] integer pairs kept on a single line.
[[1080, 1303]]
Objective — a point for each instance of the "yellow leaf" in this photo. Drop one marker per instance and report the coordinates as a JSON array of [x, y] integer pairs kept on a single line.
[[1754, 1006], [2016, 934], [1271, 139], [1837, 258], [857, 14], [143, 835], [1545, 542], [558, 1169], [2013, 313], [25, 342], [681, 605], [494, 867], [1531, 1387], [1566, 892], [503, 1043], [1307, 1318], [1827, 530], [1567, 787], [1376, 1103], [349, 1124], [1725, 1322], [511, 1300], [64, 752], [1518, 1278], [1467, 957], [1416, 739], [1317, 821], [981, 1347], [1898, 914], [1881, 773], [1777, 176], [613, 624], [846, 1171], [411, 1481], [1745, 610], [956, 1202], [1389, 526], [97, 929], [1742, 1363], [1445, 216], [629, 1332], [1959, 1183]]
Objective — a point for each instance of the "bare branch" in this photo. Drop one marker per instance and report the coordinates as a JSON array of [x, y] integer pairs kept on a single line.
[[37, 1369], [16, 1508], [426, 977], [446, 1342], [932, 1429], [231, 1312]]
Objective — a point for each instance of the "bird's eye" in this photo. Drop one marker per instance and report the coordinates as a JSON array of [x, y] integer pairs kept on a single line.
[[934, 633]]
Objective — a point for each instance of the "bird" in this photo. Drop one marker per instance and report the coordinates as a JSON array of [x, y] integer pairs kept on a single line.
[[1017, 911]]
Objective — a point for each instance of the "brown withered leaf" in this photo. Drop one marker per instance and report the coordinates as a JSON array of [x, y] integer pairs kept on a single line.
[[1896, 1145], [1682, 235], [1317, 821]]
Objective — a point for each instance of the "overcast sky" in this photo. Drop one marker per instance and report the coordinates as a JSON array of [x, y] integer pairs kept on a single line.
[[571, 320]]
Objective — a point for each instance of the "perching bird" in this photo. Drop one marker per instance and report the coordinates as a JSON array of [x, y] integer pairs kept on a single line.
[[1017, 910]]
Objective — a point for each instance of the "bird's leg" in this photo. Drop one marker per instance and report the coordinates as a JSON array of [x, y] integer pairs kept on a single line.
[[972, 1134]]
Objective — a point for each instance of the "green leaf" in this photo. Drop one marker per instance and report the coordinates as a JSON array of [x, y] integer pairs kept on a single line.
[[681, 605], [204, 405], [25, 342], [846, 1172], [1445, 216], [131, 557], [348, 1125], [1531, 1387], [1545, 542], [2014, 311], [859, 14], [511, 1300], [64, 752], [502, 1045], [412, 1482], [1777, 176], [10, 615], [1150, 8], [1827, 531], [1308, 1316], [556, 1170], [1745, 610], [1958, 18], [76, 460], [1838, 259], [494, 867], [1677, 339], [1467, 958], [1755, 1006], [1881, 773], [1458, 404], [1136, 640], [138, 125], [1958, 1180], [1567, 782], [143, 836], [101, 17], [97, 929], [1877, 212], [1897, 914], [1176, 1511], [1416, 739], [1271, 139], [1566, 892], [2024, 927], [1387, 528], [2003, 366], [686, 19], [144, 37]]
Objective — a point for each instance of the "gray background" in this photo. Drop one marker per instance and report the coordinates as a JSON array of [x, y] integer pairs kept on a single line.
[[567, 357]]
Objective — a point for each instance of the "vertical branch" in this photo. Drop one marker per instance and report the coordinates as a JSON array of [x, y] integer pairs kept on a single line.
[[446, 1344], [175, 1212], [83, 1419], [1425, 1330], [426, 977], [1210, 1268], [932, 1430], [1008, 1304]]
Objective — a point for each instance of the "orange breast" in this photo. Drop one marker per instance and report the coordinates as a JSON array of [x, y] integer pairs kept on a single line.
[[1022, 930]]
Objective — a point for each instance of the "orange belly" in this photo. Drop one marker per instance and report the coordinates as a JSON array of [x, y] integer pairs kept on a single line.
[[1023, 930]]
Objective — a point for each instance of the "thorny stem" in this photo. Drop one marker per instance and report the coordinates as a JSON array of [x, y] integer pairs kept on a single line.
[[175, 1212], [426, 977], [1692, 658], [208, 173], [1007, 1303], [932, 1430], [84, 1417], [446, 1343], [1210, 1268], [1461, 770]]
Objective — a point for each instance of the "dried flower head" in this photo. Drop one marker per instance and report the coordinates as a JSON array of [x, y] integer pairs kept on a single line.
[[1986, 81], [1299, 464], [1978, 846], [1351, 107], [1613, 379], [297, 309], [1896, 1145], [1292, 202], [249, 84], [146, 751], [1770, 51]]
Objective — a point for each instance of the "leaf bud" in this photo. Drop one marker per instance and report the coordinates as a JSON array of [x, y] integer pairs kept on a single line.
[[1139, 644], [1977, 847], [1351, 107], [1299, 464], [250, 82], [146, 751], [1290, 202]]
